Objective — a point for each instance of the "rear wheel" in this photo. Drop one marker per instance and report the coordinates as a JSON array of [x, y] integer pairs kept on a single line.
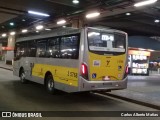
[[50, 84], [22, 77]]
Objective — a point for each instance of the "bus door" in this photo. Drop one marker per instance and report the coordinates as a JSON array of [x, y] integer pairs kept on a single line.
[[20, 53], [31, 59]]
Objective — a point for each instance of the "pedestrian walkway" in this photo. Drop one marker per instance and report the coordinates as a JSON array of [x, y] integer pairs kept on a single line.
[[140, 88], [5, 66]]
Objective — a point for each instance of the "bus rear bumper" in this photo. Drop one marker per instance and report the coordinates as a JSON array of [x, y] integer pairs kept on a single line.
[[102, 85]]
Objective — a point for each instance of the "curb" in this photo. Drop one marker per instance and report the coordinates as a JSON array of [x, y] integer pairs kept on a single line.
[[7, 68], [133, 101]]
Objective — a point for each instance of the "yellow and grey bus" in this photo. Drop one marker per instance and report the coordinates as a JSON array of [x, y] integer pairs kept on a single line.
[[74, 60]]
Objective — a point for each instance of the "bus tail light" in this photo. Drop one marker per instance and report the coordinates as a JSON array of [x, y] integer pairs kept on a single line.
[[84, 71], [126, 71]]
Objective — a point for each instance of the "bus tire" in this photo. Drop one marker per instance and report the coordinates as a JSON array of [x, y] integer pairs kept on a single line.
[[22, 76], [50, 84]]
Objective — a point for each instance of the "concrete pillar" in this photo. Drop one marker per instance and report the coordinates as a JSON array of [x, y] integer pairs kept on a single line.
[[10, 49], [11, 42]]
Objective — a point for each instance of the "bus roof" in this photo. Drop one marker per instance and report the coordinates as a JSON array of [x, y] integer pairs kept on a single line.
[[64, 31], [53, 33]]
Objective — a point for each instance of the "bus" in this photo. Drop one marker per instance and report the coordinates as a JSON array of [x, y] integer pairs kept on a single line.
[[74, 60]]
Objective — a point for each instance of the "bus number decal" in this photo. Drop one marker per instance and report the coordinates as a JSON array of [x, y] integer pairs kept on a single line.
[[72, 74], [108, 61]]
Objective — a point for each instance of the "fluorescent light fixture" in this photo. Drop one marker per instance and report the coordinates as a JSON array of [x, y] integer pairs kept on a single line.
[[38, 13], [11, 23], [12, 33], [143, 3], [157, 21], [128, 14], [24, 31], [92, 15], [37, 31], [61, 22], [93, 33], [75, 1], [39, 27], [47, 29], [64, 26], [4, 35]]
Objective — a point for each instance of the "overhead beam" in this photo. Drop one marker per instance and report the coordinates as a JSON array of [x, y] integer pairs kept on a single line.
[[63, 2], [132, 26]]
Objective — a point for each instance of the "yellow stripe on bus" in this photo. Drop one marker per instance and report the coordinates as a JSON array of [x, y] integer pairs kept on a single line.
[[65, 75]]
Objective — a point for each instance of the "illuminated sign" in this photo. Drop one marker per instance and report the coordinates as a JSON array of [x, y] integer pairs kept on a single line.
[[108, 37], [136, 52]]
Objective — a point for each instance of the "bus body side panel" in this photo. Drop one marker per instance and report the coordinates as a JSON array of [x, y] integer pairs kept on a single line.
[[64, 72], [16, 66], [27, 64]]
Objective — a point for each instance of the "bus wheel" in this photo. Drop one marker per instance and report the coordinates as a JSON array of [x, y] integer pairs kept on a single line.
[[50, 84], [22, 77]]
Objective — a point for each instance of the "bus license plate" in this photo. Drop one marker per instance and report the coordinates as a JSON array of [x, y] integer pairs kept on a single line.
[[106, 78]]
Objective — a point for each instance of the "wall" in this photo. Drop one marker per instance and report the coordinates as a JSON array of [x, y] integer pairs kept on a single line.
[[143, 42]]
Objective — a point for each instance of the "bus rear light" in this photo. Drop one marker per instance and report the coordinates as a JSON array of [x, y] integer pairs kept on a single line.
[[84, 71], [126, 71]]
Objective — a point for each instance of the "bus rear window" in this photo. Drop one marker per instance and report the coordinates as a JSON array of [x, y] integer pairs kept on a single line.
[[108, 42]]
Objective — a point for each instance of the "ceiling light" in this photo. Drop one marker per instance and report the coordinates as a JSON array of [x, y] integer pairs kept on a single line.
[[128, 14], [39, 27], [61, 22], [93, 33], [4, 35], [143, 3], [38, 13], [11, 24], [23, 20], [37, 31], [92, 15], [24, 31], [12, 33], [47, 29], [64, 26], [75, 1], [157, 21]]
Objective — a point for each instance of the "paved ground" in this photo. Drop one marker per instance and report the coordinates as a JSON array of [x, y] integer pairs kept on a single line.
[[33, 97], [142, 88]]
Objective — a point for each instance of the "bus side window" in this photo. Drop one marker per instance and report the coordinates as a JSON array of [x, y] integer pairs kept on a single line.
[[41, 48], [53, 49], [20, 50], [119, 41], [17, 52], [70, 47], [32, 48]]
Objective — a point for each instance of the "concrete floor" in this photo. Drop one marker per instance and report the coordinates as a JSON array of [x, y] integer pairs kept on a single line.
[[142, 88]]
